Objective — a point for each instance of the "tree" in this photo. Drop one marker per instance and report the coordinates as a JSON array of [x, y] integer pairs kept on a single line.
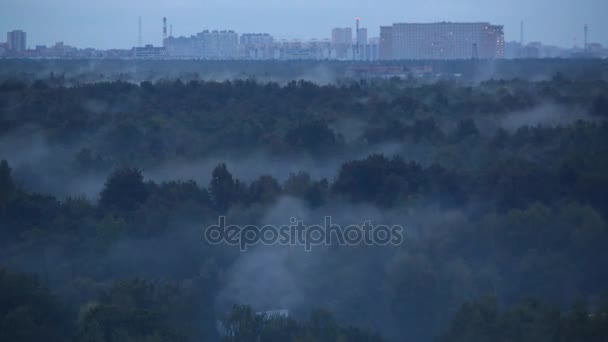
[[29, 312], [222, 188], [466, 129], [297, 185], [527, 321], [382, 181], [241, 324], [135, 310], [477, 321], [7, 186], [264, 190], [313, 137], [599, 106], [322, 326], [301, 186], [124, 191]]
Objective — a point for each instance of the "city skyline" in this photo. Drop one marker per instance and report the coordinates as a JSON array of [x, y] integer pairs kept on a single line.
[[114, 24]]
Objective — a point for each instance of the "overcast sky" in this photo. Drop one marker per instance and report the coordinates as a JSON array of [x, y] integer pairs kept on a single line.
[[113, 23]]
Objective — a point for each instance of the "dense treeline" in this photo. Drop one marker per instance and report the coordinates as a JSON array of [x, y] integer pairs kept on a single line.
[[118, 122], [137, 310], [501, 187], [242, 324], [483, 320], [72, 72], [561, 239]]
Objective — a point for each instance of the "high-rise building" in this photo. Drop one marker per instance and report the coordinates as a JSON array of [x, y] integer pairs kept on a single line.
[[513, 50], [17, 41], [362, 36], [256, 46], [219, 44], [373, 45], [342, 41], [444, 41], [181, 47], [385, 45], [342, 36], [256, 39], [206, 45]]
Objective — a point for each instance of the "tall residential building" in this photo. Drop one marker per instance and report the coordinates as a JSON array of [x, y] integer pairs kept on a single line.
[[17, 41], [385, 45], [342, 36], [256, 46], [181, 47], [206, 45], [444, 41], [362, 36], [373, 45], [342, 41], [256, 39], [219, 44]]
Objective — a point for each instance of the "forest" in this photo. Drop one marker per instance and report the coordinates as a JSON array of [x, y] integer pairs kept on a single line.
[[107, 186]]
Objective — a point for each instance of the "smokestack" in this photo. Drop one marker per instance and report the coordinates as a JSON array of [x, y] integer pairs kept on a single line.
[[139, 38], [171, 30], [586, 46], [521, 39], [164, 28], [357, 34]]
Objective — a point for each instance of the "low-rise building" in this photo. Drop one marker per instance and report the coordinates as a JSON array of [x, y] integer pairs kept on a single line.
[[149, 52]]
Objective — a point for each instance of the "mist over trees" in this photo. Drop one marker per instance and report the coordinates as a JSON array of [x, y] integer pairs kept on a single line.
[[106, 189]]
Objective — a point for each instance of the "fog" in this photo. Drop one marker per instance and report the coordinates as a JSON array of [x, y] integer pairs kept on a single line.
[[44, 166], [475, 172], [546, 115]]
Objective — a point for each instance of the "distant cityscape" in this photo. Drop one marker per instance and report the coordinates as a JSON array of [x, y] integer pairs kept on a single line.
[[399, 41]]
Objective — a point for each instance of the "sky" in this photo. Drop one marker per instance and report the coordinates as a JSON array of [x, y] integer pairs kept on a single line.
[[114, 23]]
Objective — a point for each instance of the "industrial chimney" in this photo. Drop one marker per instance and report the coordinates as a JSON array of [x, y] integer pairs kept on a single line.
[[586, 46], [139, 37], [357, 35]]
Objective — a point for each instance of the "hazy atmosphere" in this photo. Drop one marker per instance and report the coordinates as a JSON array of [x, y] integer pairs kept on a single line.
[[304, 171], [113, 23]]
